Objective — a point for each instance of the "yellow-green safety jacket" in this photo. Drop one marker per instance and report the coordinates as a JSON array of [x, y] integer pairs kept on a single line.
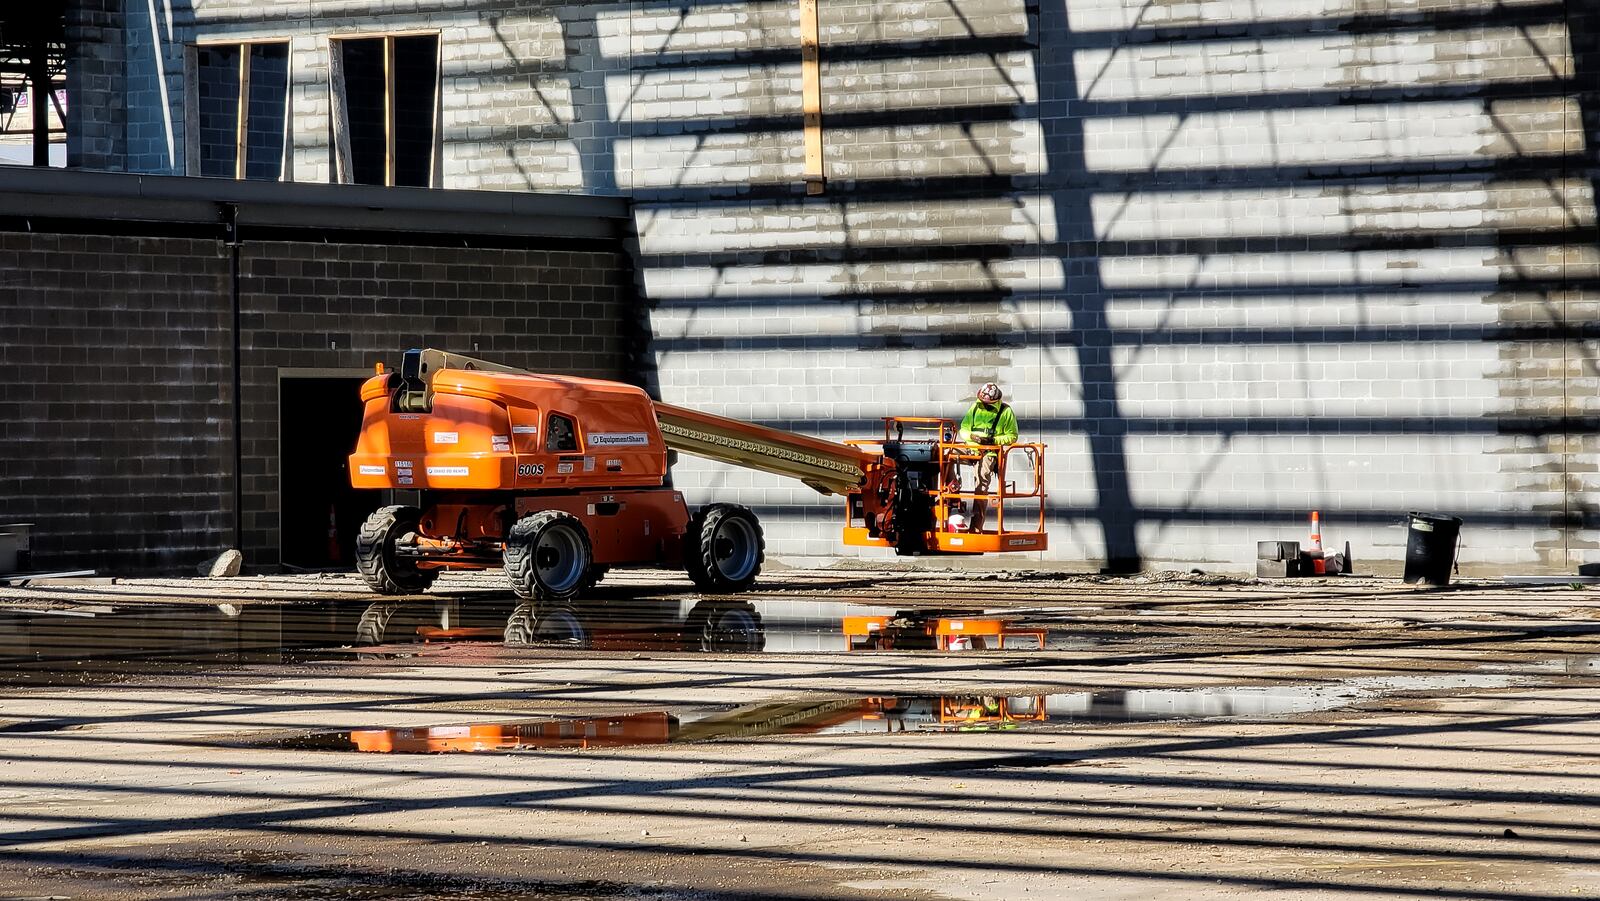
[[989, 425]]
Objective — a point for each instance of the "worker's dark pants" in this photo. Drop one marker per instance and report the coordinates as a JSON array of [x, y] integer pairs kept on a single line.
[[980, 507]]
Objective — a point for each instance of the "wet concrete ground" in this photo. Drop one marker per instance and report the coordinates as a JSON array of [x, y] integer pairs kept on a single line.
[[1179, 737]]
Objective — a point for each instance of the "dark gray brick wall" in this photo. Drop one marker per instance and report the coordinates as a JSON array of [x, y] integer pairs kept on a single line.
[[96, 111], [116, 417], [152, 57], [347, 306], [114, 414]]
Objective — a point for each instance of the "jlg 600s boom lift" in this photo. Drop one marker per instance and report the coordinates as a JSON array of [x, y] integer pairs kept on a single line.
[[558, 479]]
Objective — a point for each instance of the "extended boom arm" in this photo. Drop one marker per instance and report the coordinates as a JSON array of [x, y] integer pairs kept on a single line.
[[827, 466]]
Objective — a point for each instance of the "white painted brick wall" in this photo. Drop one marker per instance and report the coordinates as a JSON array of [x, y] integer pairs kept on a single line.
[[1285, 326], [712, 227], [1306, 211], [1321, 62], [1443, 130], [1117, 15]]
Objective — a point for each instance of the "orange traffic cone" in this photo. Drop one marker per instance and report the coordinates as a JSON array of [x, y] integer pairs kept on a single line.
[[333, 536]]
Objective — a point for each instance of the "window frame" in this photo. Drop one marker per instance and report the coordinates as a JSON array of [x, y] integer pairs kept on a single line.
[[338, 109], [241, 125]]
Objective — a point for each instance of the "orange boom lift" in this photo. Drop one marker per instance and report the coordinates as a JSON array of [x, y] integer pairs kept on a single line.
[[558, 479]]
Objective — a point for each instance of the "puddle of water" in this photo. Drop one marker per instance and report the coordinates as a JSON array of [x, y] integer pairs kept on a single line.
[[1576, 665], [339, 890], [264, 881], [922, 713], [108, 642], [786, 627], [775, 626], [948, 713], [1253, 701], [630, 729]]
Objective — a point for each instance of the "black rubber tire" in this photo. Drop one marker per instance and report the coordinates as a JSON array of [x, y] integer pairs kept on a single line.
[[375, 557], [547, 556], [386, 621], [724, 548], [373, 623], [692, 563], [530, 625], [519, 626], [726, 627], [592, 577]]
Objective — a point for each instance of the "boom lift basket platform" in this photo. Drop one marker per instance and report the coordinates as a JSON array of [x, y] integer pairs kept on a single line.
[[931, 465]]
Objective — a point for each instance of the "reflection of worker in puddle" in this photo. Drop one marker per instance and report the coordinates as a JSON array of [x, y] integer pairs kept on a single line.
[[988, 423], [987, 706], [894, 712], [974, 712]]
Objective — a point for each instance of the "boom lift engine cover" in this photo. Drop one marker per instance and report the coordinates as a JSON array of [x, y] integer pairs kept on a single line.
[[559, 478]]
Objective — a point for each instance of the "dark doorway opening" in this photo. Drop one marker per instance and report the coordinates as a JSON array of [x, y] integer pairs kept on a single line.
[[319, 513]]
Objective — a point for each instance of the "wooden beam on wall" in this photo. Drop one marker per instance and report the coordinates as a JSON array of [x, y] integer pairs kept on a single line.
[[389, 125], [811, 96], [286, 164], [436, 160], [241, 131], [340, 120]]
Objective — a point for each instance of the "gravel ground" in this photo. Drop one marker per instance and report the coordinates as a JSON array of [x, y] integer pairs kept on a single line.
[[1205, 738]]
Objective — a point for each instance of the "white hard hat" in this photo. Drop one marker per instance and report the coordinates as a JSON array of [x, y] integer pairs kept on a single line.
[[957, 521], [989, 393]]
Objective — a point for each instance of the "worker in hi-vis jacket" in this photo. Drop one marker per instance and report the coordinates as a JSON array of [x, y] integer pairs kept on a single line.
[[988, 422]]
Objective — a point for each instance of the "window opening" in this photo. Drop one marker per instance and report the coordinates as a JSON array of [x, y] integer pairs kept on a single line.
[[416, 79], [242, 94], [386, 95]]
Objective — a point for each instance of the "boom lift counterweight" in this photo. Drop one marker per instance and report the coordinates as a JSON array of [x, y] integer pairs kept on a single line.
[[559, 478]]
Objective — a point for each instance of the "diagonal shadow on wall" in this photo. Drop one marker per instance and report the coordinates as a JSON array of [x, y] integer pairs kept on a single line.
[[1347, 280], [1087, 295]]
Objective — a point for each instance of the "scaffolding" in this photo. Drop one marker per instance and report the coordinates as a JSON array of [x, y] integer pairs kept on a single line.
[[33, 68]]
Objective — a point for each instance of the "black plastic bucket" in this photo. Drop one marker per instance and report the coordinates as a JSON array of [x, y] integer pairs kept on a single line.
[[1431, 547]]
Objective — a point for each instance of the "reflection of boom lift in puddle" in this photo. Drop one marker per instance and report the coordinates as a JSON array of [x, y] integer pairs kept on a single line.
[[558, 479], [989, 710], [630, 729], [913, 631], [719, 625], [852, 715]]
